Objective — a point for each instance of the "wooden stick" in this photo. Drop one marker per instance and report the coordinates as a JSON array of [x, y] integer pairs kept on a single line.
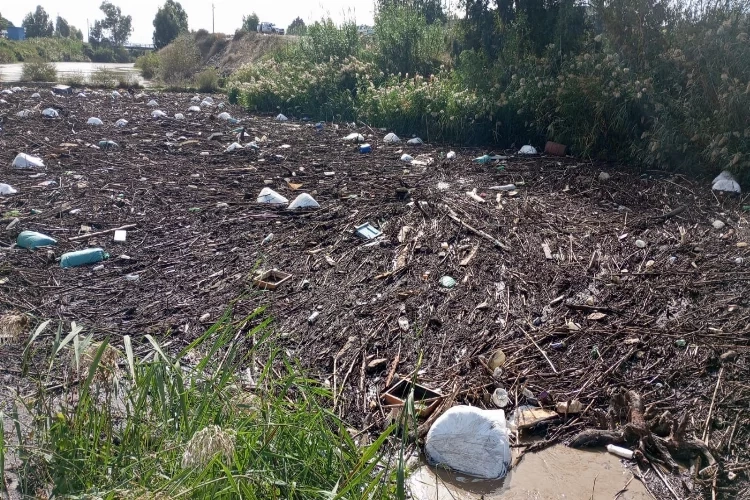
[[540, 350], [99, 233], [452, 215], [711, 408], [663, 479]]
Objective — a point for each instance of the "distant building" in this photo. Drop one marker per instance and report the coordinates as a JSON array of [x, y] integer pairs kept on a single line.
[[16, 33]]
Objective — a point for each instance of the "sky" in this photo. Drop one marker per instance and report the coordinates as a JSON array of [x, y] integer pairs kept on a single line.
[[228, 13]]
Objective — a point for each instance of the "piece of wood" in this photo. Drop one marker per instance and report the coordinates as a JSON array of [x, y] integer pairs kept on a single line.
[[452, 215], [465, 262], [540, 350], [706, 432], [99, 233]]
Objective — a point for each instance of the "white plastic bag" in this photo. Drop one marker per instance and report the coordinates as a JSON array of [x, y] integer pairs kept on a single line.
[[152, 103], [415, 142], [95, 121], [196, 98], [35, 95], [6, 189], [224, 116], [471, 441], [22, 160], [281, 118], [208, 100], [179, 116], [304, 200], [194, 109], [391, 138], [268, 195], [121, 122], [407, 158], [157, 113], [50, 113], [726, 182], [207, 104], [115, 94], [233, 146], [527, 150], [24, 113], [354, 137]]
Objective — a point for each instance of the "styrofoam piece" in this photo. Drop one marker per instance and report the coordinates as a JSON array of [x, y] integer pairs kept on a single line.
[[50, 113], [268, 195], [121, 122], [726, 182], [391, 138], [233, 146], [527, 150], [179, 116], [194, 109], [157, 113], [6, 189], [304, 200], [81, 94], [22, 160], [407, 158], [152, 103], [121, 235], [224, 116], [471, 441], [416, 141], [94, 121], [281, 118], [16, 89], [354, 137]]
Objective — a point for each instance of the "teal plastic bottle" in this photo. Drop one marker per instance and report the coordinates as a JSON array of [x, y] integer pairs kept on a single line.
[[32, 240], [83, 257]]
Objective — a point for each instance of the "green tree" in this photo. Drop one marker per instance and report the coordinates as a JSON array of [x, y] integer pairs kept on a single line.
[[297, 27], [114, 29], [250, 23], [170, 21], [38, 24], [62, 28], [432, 10], [4, 23]]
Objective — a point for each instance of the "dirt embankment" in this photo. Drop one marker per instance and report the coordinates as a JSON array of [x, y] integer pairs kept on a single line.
[[228, 53]]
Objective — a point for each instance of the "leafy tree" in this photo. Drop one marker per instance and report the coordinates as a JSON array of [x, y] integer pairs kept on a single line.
[[297, 27], [170, 21], [250, 23], [431, 10], [76, 33], [62, 28], [38, 24], [4, 23], [114, 29]]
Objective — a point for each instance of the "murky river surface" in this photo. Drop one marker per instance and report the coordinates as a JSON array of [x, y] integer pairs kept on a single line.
[[12, 72], [552, 474]]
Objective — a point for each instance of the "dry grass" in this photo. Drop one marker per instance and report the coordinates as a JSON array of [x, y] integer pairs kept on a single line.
[[12, 327]]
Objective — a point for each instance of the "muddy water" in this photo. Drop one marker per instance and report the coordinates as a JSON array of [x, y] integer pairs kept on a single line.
[[12, 72], [552, 474]]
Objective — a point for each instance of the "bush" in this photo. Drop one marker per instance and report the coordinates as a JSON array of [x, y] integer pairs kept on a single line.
[[148, 64], [406, 43], [179, 61], [207, 80], [103, 55], [38, 71], [104, 77], [75, 79]]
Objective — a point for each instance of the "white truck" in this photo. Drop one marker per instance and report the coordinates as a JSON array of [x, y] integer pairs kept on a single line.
[[271, 28]]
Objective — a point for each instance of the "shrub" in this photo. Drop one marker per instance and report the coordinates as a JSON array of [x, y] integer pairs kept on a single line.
[[148, 64], [103, 55], [406, 44], [240, 34], [74, 79], [104, 77], [179, 60], [38, 71], [207, 80]]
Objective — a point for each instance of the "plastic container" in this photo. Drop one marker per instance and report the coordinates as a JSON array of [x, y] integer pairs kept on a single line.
[[471, 441], [32, 240], [365, 148], [95, 121], [83, 257]]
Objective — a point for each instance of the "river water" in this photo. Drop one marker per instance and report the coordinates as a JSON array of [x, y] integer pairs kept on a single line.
[[12, 72]]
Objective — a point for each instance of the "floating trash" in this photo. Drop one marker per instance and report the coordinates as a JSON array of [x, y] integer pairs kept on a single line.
[[50, 113], [95, 121]]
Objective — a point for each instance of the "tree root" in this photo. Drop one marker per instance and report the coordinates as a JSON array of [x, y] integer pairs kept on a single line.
[[627, 412]]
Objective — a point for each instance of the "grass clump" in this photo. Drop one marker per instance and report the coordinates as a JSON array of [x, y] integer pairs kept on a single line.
[[38, 71], [104, 77], [75, 79], [210, 421], [207, 80], [179, 61], [148, 64]]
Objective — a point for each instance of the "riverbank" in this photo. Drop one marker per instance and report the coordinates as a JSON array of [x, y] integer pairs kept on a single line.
[[78, 73], [47, 49]]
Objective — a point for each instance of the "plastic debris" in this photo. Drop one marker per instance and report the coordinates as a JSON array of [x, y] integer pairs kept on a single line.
[[365, 148], [527, 150], [22, 160], [367, 231], [304, 200], [391, 138], [717, 224], [474, 196], [497, 360], [482, 159], [451, 155], [95, 121], [196, 98], [179, 116], [447, 282], [504, 187], [471, 441], [6, 92], [32, 240], [525, 417], [604, 177], [120, 235], [83, 257], [81, 94], [621, 452], [208, 100], [569, 407], [157, 113], [407, 158], [233, 146], [121, 122], [115, 94], [416, 141], [268, 195], [152, 103], [640, 244], [194, 109], [224, 116], [50, 113], [281, 118], [6, 189], [108, 144], [500, 398], [725, 182], [354, 137], [35, 95], [24, 113]]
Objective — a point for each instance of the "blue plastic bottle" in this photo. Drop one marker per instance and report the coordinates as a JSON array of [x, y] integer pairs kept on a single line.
[[32, 240], [83, 257]]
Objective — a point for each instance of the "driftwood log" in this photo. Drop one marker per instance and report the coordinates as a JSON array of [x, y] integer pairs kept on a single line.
[[659, 439]]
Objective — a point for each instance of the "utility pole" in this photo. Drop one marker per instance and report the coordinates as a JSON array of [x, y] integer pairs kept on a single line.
[[213, 18]]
